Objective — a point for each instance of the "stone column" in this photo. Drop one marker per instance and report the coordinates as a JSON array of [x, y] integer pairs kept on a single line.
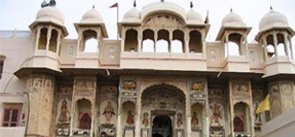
[[137, 118], [41, 95], [186, 42], [291, 47], [37, 38], [139, 41], [286, 45], [155, 39], [226, 44], [188, 129], [275, 43], [265, 49], [49, 31]]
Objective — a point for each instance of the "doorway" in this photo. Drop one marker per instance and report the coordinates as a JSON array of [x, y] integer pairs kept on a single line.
[[162, 126]]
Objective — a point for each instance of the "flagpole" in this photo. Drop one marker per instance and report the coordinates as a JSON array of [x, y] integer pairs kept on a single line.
[[117, 20]]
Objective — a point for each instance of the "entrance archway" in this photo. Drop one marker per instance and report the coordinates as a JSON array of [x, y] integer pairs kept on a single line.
[[164, 105], [162, 126]]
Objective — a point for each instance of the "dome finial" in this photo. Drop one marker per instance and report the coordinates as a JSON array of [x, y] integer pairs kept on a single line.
[[51, 3], [93, 6], [271, 8], [231, 9], [162, 0], [191, 4], [134, 3]]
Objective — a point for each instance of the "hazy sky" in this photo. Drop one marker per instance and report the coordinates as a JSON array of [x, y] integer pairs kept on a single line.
[[19, 14]]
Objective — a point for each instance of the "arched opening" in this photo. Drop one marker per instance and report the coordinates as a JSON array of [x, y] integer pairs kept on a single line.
[[162, 44], [53, 41], [195, 42], [234, 44], [128, 113], [131, 41], [241, 120], [164, 103], [162, 126], [281, 46], [84, 114], [42, 39], [233, 49], [270, 48], [90, 43], [148, 41], [197, 116], [177, 44]]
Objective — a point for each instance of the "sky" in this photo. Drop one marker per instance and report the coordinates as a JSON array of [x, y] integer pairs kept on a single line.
[[19, 14]]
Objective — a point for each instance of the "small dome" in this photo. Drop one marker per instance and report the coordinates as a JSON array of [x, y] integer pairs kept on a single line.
[[132, 15], [273, 19], [163, 7], [92, 16], [50, 14], [194, 17], [233, 20]]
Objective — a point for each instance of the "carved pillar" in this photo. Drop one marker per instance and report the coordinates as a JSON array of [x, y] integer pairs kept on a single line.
[[123, 39], [226, 44], [49, 31], [37, 38], [291, 47], [170, 40], [275, 43], [155, 39], [137, 117], [40, 89], [204, 44], [187, 116], [286, 45], [139, 41], [119, 127], [59, 37], [265, 49], [186, 42]]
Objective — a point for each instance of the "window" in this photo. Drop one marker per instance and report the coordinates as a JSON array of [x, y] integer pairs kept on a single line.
[[1, 67], [11, 115]]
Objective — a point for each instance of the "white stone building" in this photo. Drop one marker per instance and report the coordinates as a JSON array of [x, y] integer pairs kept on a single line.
[[160, 79]]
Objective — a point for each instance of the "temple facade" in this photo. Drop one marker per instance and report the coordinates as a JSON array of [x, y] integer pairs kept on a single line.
[[161, 78]]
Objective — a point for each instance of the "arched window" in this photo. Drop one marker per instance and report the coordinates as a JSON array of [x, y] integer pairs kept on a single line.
[[234, 44], [177, 44], [281, 46], [42, 39], [148, 41], [270, 48], [90, 43], [53, 41], [83, 115], [162, 44], [148, 45], [233, 49], [242, 120], [131, 41], [195, 42]]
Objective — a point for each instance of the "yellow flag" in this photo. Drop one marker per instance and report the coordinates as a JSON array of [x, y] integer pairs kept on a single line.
[[263, 105]]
